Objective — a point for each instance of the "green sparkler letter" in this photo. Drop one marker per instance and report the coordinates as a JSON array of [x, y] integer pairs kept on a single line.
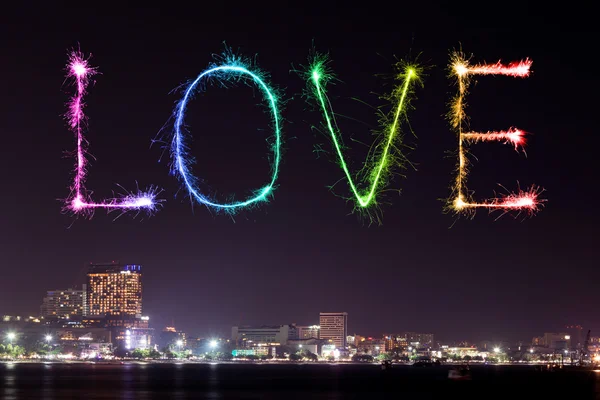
[[386, 153]]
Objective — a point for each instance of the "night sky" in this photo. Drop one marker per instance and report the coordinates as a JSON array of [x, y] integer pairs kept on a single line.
[[305, 251]]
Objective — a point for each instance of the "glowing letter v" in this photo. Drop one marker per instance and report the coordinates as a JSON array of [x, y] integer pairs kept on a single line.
[[379, 163]]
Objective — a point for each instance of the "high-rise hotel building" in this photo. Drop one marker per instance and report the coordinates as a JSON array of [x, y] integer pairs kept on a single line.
[[64, 303], [334, 328], [114, 289]]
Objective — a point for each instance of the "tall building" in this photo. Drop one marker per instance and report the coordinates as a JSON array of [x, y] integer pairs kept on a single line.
[[334, 328], [65, 303], [114, 289]]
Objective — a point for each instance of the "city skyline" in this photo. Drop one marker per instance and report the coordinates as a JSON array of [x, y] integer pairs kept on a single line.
[[305, 251]]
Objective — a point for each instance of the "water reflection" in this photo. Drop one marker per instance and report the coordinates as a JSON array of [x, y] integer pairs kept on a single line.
[[45, 381]]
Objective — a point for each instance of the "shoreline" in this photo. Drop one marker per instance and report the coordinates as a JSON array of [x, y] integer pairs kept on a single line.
[[190, 362]]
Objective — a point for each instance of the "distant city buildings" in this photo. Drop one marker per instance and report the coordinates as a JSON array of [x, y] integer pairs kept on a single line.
[[309, 332], [334, 327], [576, 336], [64, 303], [419, 339], [105, 316], [372, 346], [170, 337], [114, 289], [105, 313], [265, 335], [555, 341]]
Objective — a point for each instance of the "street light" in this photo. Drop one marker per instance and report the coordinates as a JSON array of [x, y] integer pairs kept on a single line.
[[48, 338], [11, 336], [497, 350], [179, 344], [214, 343]]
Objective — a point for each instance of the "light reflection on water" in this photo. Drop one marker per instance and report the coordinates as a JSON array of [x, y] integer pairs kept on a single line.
[[47, 381]]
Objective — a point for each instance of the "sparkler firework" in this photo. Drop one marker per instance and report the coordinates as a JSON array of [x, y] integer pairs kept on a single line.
[[527, 200], [385, 153], [79, 201], [229, 68]]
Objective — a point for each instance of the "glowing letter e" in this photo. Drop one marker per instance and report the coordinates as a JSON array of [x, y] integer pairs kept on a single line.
[[461, 201]]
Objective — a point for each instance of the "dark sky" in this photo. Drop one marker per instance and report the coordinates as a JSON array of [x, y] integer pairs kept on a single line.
[[305, 251]]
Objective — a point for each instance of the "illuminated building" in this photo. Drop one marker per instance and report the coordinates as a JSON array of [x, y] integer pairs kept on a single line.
[[135, 338], [334, 328], [538, 341], [258, 351], [114, 289], [372, 346], [126, 321], [169, 337], [419, 340], [575, 332], [249, 336], [64, 304], [396, 341], [557, 341], [309, 332]]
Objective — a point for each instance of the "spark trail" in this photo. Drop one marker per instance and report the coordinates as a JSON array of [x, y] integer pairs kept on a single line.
[[229, 69], [79, 201], [527, 200], [378, 166]]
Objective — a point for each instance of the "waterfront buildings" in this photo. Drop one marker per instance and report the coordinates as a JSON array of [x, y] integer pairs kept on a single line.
[[114, 289], [372, 346], [552, 340], [64, 303], [419, 340], [309, 332], [265, 335], [169, 337], [334, 327]]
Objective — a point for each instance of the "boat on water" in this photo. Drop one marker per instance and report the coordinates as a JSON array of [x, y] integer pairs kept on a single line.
[[386, 365], [460, 373]]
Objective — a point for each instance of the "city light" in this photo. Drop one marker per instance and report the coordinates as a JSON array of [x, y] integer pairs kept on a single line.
[[496, 349], [48, 338], [11, 336], [180, 343], [213, 343]]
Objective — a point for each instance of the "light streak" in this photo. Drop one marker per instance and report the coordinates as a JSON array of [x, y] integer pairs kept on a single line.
[[230, 68], [513, 135], [527, 200], [385, 154], [79, 201]]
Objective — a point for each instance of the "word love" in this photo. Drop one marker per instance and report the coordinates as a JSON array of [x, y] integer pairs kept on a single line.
[[365, 186]]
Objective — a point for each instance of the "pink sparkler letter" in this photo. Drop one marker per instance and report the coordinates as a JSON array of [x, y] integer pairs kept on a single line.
[[79, 201]]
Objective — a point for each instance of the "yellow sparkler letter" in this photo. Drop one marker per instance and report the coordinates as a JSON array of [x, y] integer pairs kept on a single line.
[[461, 201]]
